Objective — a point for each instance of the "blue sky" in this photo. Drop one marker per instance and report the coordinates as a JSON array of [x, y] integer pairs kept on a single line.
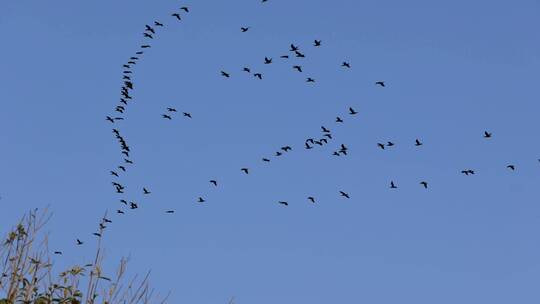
[[452, 69]]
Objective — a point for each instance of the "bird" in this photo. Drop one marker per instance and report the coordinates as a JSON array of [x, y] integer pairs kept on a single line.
[[185, 8], [511, 167], [265, 160], [338, 119], [145, 191], [278, 153], [171, 109], [97, 234], [79, 242], [344, 194], [201, 200], [328, 135], [122, 168], [166, 116], [123, 201], [245, 69], [225, 74], [311, 198], [308, 146], [257, 75], [127, 161], [267, 60], [352, 111], [390, 144], [244, 29], [177, 16], [284, 56], [487, 134], [186, 114], [324, 140], [106, 220], [150, 29], [148, 35], [424, 184], [58, 252], [325, 130], [120, 211], [418, 143], [343, 147], [309, 79], [299, 55], [145, 46], [392, 185], [297, 67], [294, 48], [346, 64], [133, 205], [380, 145], [214, 182], [114, 173], [157, 23], [246, 170], [381, 83], [110, 119], [286, 148], [467, 172], [139, 53], [317, 42], [169, 211], [284, 203]]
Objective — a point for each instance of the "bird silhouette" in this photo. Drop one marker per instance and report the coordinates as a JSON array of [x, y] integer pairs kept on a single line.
[[278, 153], [79, 242], [186, 114], [299, 55], [244, 29], [325, 130], [338, 119], [265, 160], [156, 23], [146, 35], [390, 144], [120, 211], [123, 201], [150, 29], [297, 67], [309, 79], [294, 48], [267, 60], [380, 145], [308, 146], [328, 135], [201, 200], [177, 16], [257, 75], [424, 184], [317, 42], [185, 9], [166, 116], [511, 167], [145, 191], [467, 172], [487, 134], [127, 161], [284, 56], [418, 143], [246, 70], [110, 119], [381, 83], [169, 211], [214, 182], [139, 53], [344, 194], [171, 109], [286, 148], [145, 46], [352, 111], [311, 198], [114, 173], [122, 168], [133, 205], [58, 252], [246, 170], [284, 203], [392, 185], [346, 65], [97, 234], [225, 74]]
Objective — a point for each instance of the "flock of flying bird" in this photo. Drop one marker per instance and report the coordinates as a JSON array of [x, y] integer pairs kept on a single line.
[[150, 32]]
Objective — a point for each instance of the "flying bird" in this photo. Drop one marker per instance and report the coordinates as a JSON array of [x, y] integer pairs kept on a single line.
[[156, 23], [146, 35], [185, 8], [186, 114], [317, 42], [246, 70], [311, 198], [58, 252], [325, 130], [214, 182], [145, 191], [418, 143], [338, 119], [169, 211], [267, 60], [257, 75], [297, 67], [424, 184], [392, 185], [380, 145], [133, 205], [352, 111], [171, 109], [390, 144], [225, 74], [511, 167], [244, 29], [177, 16], [166, 116], [344, 194], [346, 65], [299, 55], [201, 200], [381, 83], [120, 211], [265, 160], [487, 134], [246, 171], [150, 29], [309, 79], [294, 48], [79, 242], [284, 203]]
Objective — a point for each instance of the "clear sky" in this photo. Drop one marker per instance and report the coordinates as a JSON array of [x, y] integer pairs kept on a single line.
[[453, 69]]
